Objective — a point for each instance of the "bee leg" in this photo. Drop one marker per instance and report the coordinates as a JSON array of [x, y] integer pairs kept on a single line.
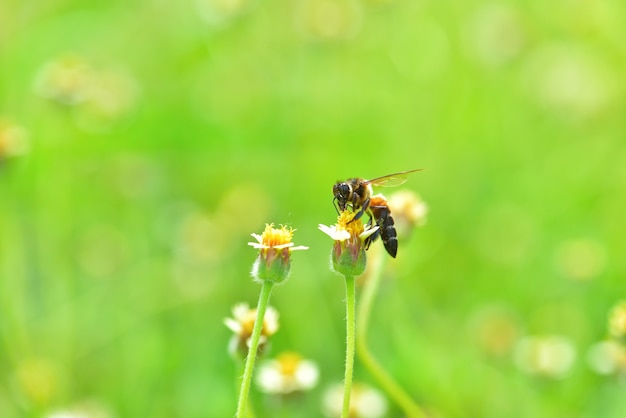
[[336, 205], [371, 238], [361, 211]]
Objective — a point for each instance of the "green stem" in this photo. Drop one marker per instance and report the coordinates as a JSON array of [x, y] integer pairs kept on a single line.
[[350, 344], [241, 365], [264, 298], [393, 389]]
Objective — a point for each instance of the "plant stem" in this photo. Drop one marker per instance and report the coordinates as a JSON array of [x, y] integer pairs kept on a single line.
[[393, 389], [264, 297], [241, 365], [350, 344]]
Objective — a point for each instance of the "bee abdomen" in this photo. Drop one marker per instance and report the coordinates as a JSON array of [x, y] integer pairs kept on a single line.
[[388, 234], [386, 226]]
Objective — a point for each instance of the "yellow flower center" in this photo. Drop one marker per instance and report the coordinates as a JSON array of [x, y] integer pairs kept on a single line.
[[289, 363], [276, 236], [346, 221]]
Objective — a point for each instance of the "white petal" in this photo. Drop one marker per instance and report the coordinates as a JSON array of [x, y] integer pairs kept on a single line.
[[368, 232], [307, 374], [269, 379], [240, 311], [233, 325], [257, 245], [271, 320], [334, 233]]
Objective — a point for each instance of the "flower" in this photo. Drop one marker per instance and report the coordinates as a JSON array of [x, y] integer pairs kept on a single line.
[[275, 247], [617, 322], [607, 357], [286, 374], [366, 402], [242, 324], [409, 211], [348, 253], [66, 80], [549, 356]]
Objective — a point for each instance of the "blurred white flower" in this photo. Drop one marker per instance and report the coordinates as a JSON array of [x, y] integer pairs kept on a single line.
[[242, 324], [548, 356], [409, 211], [365, 402], [607, 357], [65, 80], [110, 95], [287, 373], [98, 97]]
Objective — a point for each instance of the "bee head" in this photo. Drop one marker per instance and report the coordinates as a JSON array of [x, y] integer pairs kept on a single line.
[[342, 192]]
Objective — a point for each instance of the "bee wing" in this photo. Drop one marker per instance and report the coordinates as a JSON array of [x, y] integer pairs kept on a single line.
[[392, 180]]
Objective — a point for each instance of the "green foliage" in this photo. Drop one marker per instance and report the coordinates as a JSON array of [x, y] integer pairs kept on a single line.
[[161, 134]]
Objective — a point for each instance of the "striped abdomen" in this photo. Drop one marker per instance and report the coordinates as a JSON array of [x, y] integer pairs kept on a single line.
[[381, 213]]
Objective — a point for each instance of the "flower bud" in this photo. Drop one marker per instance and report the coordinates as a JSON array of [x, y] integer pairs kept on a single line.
[[274, 260], [348, 252]]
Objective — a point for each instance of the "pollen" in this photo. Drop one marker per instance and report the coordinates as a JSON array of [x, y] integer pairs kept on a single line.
[[347, 222], [273, 237]]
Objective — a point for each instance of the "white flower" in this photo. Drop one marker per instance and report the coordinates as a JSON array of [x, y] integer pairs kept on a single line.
[[348, 252], [242, 324], [365, 402], [607, 357], [338, 232], [288, 373], [550, 356]]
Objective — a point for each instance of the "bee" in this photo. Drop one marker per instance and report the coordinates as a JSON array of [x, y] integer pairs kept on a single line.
[[358, 195]]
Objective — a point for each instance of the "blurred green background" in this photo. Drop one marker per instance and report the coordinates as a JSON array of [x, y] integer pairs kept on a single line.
[[150, 138]]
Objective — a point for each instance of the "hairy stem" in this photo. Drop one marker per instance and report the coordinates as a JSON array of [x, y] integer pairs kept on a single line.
[[350, 344], [264, 298]]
